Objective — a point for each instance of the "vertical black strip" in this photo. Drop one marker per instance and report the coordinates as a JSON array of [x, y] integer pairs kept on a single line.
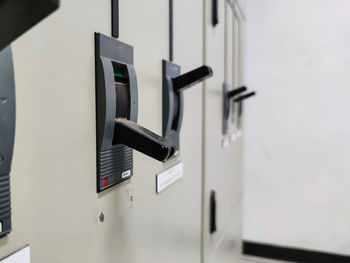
[[240, 111], [115, 18], [215, 12], [212, 226], [171, 30]]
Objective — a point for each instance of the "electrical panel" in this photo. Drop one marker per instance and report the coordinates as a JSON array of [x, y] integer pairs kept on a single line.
[[7, 135], [16, 17], [228, 97], [116, 108], [173, 86], [131, 83]]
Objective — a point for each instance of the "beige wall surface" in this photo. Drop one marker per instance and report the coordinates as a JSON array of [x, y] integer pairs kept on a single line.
[[297, 143]]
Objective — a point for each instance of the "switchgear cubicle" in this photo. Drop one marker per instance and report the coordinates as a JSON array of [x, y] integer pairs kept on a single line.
[[16, 17], [128, 131]]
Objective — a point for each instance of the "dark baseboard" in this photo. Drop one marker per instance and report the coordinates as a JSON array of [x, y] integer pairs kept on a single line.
[[291, 254]]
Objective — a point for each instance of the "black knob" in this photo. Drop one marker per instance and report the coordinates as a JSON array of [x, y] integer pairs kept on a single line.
[[143, 140], [191, 78]]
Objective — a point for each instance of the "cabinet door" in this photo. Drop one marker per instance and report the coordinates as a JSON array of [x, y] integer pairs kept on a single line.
[[56, 209], [141, 225], [222, 156]]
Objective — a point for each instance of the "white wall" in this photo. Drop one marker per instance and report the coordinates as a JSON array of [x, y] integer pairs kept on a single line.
[[297, 130]]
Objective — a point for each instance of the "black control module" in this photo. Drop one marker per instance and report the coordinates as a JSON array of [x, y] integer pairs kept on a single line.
[[116, 114]]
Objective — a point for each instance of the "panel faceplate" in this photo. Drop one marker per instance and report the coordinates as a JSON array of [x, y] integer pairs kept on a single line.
[[7, 135]]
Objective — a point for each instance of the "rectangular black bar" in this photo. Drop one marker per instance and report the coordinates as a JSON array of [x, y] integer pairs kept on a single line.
[[215, 12], [115, 18], [189, 79], [291, 254], [212, 226], [171, 30]]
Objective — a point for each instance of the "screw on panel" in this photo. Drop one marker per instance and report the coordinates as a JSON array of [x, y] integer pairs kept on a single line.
[[102, 217]]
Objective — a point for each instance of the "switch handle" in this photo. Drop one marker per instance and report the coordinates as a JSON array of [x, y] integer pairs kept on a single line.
[[143, 140], [191, 78], [235, 92], [246, 96]]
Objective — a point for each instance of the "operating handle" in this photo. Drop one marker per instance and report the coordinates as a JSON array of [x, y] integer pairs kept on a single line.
[[245, 96], [235, 92], [143, 140], [191, 78], [230, 95]]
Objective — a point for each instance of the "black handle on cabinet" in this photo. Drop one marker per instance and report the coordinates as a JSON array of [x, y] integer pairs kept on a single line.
[[245, 96], [143, 140], [229, 95], [191, 78], [240, 100], [235, 92]]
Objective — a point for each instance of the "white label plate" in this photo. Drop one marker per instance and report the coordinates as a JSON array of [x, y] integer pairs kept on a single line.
[[126, 174], [169, 176], [233, 137], [22, 256], [225, 142]]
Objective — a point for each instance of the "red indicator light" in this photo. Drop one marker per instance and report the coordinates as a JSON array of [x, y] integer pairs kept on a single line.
[[105, 182]]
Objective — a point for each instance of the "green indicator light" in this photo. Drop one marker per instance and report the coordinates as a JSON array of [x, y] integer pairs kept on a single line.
[[117, 73]]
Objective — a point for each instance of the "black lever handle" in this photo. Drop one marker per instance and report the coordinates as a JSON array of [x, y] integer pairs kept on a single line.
[[139, 138], [191, 78], [235, 92], [229, 95], [245, 96]]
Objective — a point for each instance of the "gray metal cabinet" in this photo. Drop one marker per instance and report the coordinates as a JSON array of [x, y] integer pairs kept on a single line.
[[222, 157], [140, 225], [56, 209]]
